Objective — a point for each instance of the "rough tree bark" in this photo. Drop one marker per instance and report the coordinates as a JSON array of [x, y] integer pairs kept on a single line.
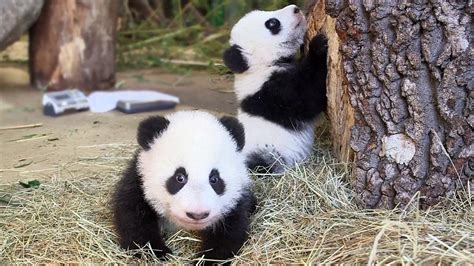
[[15, 19], [409, 68], [73, 45], [340, 112]]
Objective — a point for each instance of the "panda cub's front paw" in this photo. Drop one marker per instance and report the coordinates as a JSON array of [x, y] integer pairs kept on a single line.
[[318, 46], [161, 254]]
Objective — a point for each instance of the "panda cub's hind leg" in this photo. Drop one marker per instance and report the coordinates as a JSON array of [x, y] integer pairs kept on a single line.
[[266, 161]]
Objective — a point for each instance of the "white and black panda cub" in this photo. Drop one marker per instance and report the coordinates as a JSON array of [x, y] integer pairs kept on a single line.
[[279, 96], [189, 173]]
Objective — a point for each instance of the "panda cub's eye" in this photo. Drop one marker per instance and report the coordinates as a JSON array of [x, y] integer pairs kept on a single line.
[[177, 181], [216, 182], [213, 179], [181, 178], [273, 25]]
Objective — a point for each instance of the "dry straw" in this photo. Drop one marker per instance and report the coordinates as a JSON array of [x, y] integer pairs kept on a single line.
[[308, 215]]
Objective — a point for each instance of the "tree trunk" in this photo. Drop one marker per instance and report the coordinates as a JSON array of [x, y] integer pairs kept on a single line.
[[73, 45], [340, 111], [16, 17], [409, 68]]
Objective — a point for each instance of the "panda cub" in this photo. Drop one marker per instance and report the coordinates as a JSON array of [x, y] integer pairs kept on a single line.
[[189, 174], [279, 97]]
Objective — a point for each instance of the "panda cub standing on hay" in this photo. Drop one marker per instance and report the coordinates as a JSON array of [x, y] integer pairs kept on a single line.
[[279, 97], [189, 173]]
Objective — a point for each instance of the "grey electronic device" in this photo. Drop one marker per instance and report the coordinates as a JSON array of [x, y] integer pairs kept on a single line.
[[60, 102], [133, 106]]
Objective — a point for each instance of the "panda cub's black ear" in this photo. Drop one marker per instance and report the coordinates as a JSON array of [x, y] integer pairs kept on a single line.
[[236, 130], [149, 129], [235, 60]]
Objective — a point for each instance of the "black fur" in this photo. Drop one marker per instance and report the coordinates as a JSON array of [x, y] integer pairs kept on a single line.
[[234, 59], [262, 162], [273, 25], [236, 130], [149, 129], [219, 185], [138, 224], [172, 185], [135, 221], [286, 61], [225, 239], [296, 96], [256, 162]]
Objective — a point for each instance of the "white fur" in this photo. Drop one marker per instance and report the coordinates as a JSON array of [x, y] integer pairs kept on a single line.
[[261, 49], [249, 83], [198, 142], [258, 45], [267, 137]]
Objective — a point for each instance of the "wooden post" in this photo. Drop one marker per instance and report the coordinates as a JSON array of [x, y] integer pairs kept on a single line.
[[407, 70], [73, 45]]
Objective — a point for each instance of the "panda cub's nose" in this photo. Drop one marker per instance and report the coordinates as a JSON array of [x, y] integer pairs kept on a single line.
[[197, 216], [296, 10]]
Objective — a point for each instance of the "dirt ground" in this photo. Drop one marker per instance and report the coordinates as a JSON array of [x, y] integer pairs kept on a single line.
[[41, 151]]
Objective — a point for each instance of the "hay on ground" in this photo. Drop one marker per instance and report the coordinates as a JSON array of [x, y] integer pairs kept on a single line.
[[308, 215]]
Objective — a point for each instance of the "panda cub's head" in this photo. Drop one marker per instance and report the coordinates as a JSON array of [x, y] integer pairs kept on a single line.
[[192, 170], [261, 38]]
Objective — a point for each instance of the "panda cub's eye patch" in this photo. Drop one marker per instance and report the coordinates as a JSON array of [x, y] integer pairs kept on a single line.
[[216, 182], [273, 25], [176, 182]]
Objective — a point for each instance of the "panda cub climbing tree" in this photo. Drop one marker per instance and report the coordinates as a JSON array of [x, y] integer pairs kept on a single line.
[[279, 96], [188, 173]]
